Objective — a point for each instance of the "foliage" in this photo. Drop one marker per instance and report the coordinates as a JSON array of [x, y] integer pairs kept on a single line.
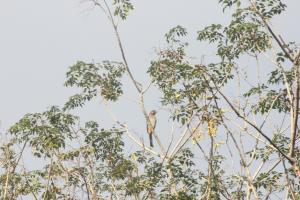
[[223, 146], [94, 79]]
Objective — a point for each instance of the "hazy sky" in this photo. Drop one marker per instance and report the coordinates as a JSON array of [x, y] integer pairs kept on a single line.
[[40, 39]]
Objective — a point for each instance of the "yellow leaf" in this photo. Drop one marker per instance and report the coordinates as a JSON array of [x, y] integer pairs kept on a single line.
[[177, 95], [218, 144], [197, 137], [133, 157], [212, 128]]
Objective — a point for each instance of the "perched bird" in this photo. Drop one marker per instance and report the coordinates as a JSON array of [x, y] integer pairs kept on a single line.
[[151, 125]]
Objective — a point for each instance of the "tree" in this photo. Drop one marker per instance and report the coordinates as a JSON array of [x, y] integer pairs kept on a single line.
[[87, 161]]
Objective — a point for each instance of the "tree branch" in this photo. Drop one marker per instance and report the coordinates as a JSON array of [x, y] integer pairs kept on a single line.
[[295, 107], [277, 38]]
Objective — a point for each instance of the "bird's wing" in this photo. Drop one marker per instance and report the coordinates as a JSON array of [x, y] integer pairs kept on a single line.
[[149, 128], [153, 121], [151, 124]]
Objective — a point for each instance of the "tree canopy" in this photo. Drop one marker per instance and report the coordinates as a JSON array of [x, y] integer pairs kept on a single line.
[[233, 119]]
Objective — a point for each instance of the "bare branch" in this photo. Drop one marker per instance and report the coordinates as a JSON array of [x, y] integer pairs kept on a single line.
[[295, 106]]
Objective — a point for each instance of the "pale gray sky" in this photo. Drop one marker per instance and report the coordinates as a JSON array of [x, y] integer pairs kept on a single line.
[[39, 39]]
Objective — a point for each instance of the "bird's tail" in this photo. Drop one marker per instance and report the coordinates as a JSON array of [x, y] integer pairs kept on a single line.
[[151, 140]]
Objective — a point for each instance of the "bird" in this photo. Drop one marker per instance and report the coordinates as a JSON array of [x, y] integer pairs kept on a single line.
[[151, 125]]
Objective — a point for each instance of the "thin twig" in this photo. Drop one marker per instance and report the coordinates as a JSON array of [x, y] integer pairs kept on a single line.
[[136, 84]]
